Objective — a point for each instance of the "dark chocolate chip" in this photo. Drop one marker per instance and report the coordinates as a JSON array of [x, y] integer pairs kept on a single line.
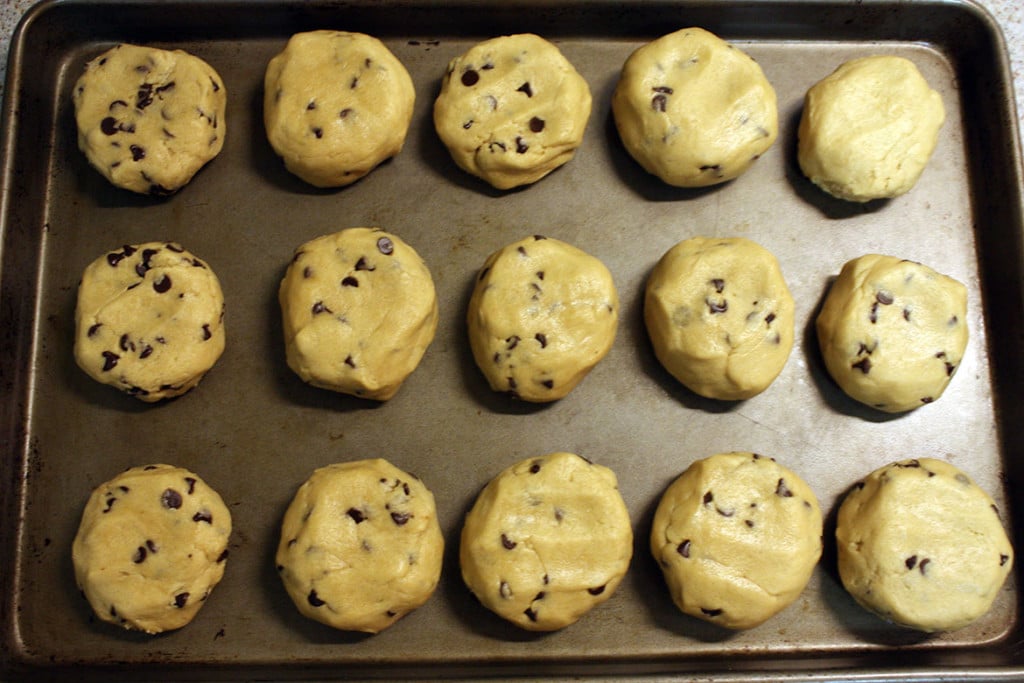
[[138, 153], [311, 106], [318, 132], [923, 566], [144, 97], [314, 600], [911, 562], [180, 600], [470, 77], [207, 334], [535, 467], [93, 329], [724, 513], [684, 548], [536, 124], [140, 555], [350, 281], [542, 339], [125, 343], [548, 384], [782, 490], [203, 516], [349, 362], [710, 612], [526, 89], [109, 360], [597, 590], [356, 514], [151, 546], [521, 146], [659, 102], [401, 518], [109, 125], [362, 265], [385, 246], [663, 89], [162, 285], [530, 614], [864, 365], [708, 497], [769, 318], [170, 499], [512, 342], [467, 125], [717, 306], [718, 283], [1003, 559], [507, 543], [319, 308], [343, 114], [883, 297], [873, 314]]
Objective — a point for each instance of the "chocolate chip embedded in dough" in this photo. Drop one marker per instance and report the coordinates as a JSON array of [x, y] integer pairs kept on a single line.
[[470, 77], [385, 246], [536, 124], [180, 600], [314, 599], [171, 499], [684, 548], [163, 284], [507, 543], [109, 360]]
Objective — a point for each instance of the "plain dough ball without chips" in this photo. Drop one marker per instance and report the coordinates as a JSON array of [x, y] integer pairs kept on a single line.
[[694, 110], [336, 104], [921, 545], [546, 541], [543, 313], [511, 110], [868, 130], [360, 546], [359, 310], [737, 536], [720, 316], [149, 119], [151, 546], [893, 332]]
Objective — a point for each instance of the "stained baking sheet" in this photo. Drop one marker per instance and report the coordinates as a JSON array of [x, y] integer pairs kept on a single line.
[[255, 432]]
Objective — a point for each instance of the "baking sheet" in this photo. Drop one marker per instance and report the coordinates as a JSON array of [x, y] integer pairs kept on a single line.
[[255, 432]]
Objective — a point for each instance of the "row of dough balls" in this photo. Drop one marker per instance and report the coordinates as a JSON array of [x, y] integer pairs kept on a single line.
[[736, 535], [689, 107]]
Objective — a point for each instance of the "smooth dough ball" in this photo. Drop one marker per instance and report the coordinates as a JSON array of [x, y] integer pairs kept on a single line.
[[149, 119], [335, 105], [893, 332], [921, 545], [511, 110], [694, 110], [149, 320], [360, 546], [720, 316], [737, 536], [546, 541], [359, 310], [868, 130], [151, 546], [543, 313]]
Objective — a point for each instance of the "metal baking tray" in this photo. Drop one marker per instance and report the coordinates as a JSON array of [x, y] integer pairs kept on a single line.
[[255, 432]]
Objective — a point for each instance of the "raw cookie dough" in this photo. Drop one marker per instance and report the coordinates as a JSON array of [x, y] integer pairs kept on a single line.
[[149, 119], [152, 544], [511, 110], [868, 130], [542, 315], [359, 310], [546, 541], [149, 320], [893, 332], [693, 110], [335, 105], [737, 536], [361, 545], [921, 545], [720, 316]]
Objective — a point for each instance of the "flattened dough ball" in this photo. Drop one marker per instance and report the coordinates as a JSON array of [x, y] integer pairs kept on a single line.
[[868, 130], [893, 332], [694, 110], [546, 541], [543, 313], [149, 320], [335, 105], [921, 545], [737, 536], [149, 119], [359, 310], [720, 316], [511, 110], [151, 546], [360, 545]]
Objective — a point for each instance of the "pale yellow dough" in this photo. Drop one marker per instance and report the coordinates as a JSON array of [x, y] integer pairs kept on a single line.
[[335, 105], [546, 541], [694, 110], [921, 545], [868, 130], [737, 536]]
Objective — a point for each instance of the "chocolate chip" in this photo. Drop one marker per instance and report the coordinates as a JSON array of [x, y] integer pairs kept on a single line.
[[318, 132], [319, 308], [718, 283], [109, 125], [125, 343], [144, 97], [535, 467], [548, 384], [782, 490], [1003, 559], [512, 342], [536, 124], [223, 556], [140, 555], [663, 89], [522, 250], [470, 77], [873, 314], [597, 590], [911, 562], [542, 339], [530, 614], [109, 360], [711, 167], [180, 600], [350, 281], [883, 297], [349, 362], [525, 89], [385, 246], [93, 329], [491, 146], [401, 518], [659, 102], [207, 334], [923, 566], [906, 314], [314, 600], [724, 513], [170, 499], [356, 514], [769, 318], [203, 516], [216, 86], [162, 285], [684, 548], [521, 146], [343, 114], [864, 365], [361, 265], [151, 546], [138, 153], [710, 612], [507, 543], [467, 125], [311, 106], [927, 399], [717, 306]]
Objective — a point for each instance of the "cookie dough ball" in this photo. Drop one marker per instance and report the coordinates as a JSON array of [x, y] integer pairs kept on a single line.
[[149, 320], [693, 110], [511, 110], [359, 310], [335, 105], [546, 541], [542, 315], [868, 130], [921, 545], [737, 536], [360, 546], [720, 316], [152, 544], [893, 332], [149, 119]]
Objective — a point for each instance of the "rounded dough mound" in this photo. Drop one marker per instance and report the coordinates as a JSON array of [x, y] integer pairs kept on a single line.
[[336, 104], [361, 545], [893, 332], [546, 541], [542, 315], [693, 110], [737, 536], [359, 310], [720, 316], [151, 546], [149, 119], [511, 110], [149, 320], [921, 545], [868, 130]]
